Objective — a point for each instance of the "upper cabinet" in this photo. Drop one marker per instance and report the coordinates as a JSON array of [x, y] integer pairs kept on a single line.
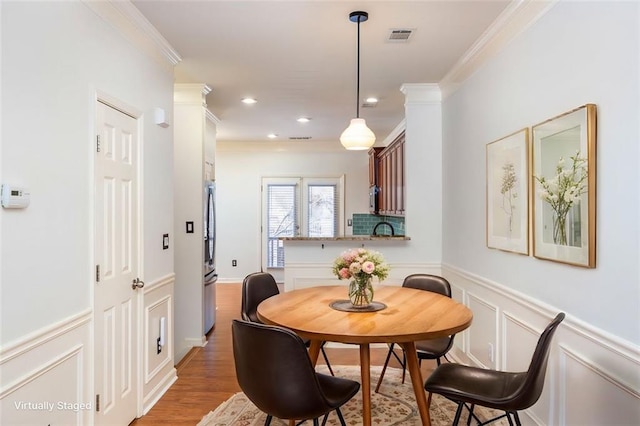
[[374, 169], [389, 178]]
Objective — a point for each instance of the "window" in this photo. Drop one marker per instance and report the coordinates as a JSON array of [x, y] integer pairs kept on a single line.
[[308, 207]]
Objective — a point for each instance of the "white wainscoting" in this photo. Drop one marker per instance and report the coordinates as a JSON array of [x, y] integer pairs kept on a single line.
[[304, 274], [34, 369], [46, 377], [158, 369], [593, 378]]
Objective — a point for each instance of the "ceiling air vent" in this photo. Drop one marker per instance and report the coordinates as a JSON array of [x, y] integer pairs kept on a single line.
[[366, 104], [399, 34], [299, 138]]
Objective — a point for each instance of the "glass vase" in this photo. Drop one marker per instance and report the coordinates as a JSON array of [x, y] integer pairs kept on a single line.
[[361, 292], [560, 229]]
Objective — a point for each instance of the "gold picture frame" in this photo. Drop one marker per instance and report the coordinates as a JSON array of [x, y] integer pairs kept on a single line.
[[564, 187], [508, 193]]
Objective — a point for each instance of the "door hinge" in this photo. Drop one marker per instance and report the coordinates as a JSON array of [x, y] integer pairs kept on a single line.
[[97, 273], [97, 402], [97, 143]]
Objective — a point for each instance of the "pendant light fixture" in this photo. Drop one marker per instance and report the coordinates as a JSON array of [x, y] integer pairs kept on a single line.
[[358, 136]]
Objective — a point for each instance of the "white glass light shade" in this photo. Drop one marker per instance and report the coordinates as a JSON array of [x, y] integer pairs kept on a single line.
[[357, 136]]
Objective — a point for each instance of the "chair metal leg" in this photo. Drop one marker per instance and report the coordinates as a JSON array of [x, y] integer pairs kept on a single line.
[[509, 418], [324, 419], [315, 422], [402, 362], [470, 414], [456, 419], [326, 360], [339, 413], [516, 418], [267, 422], [384, 367]]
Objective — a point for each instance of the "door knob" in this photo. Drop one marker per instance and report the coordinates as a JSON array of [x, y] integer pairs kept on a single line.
[[137, 283]]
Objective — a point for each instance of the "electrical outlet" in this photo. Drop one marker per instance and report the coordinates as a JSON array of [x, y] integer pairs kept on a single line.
[[159, 346], [234, 262], [349, 222]]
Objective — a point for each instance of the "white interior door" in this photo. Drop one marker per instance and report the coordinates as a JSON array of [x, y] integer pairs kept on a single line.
[[116, 253]]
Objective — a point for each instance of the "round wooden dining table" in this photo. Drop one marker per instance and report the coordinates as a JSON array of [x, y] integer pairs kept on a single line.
[[410, 315]]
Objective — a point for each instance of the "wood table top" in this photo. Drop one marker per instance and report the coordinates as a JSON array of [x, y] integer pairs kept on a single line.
[[410, 315]]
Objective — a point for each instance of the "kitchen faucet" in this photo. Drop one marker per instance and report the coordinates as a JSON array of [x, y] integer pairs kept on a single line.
[[375, 228]]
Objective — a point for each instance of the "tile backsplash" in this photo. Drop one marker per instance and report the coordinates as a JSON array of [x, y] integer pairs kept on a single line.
[[363, 224]]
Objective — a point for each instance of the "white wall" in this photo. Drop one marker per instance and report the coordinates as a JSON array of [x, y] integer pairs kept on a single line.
[[577, 53], [56, 58], [50, 75], [239, 171], [560, 63]]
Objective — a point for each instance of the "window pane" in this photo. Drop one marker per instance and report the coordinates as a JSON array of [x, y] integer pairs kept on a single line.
[[322, 211], [281, 214]]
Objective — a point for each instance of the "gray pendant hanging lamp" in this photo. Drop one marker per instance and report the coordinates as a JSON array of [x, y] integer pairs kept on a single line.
[[358, 136]]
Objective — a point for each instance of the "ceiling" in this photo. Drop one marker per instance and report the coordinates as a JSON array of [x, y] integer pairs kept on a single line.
[[298, 58]]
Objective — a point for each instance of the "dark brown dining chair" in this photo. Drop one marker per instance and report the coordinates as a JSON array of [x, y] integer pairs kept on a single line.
[[425, 349], [260, 286], [274, 371], [501, 390]]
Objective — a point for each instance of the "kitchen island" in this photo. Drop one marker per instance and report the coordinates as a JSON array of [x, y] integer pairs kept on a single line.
[[308, 261]]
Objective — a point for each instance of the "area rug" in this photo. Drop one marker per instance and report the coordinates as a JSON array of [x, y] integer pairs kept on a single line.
[[395, 404]]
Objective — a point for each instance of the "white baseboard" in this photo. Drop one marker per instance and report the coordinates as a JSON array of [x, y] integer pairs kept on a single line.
[[156, 393]]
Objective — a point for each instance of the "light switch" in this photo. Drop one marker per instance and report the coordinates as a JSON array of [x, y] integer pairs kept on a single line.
[[189, 227]]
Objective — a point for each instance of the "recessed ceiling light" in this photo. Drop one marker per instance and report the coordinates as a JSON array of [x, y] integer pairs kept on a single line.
[[304, 120], [272, 136], [249, 101], [371, 100]]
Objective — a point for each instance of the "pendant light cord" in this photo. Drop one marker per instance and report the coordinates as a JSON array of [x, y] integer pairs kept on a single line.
[[358, 74]]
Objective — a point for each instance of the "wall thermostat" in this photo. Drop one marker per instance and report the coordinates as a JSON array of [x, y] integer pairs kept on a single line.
[[14, 197]]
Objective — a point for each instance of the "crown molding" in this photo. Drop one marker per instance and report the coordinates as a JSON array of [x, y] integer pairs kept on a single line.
[[513, 21], [211, 117], [134, 27], [190, 94], [393, 135], [421, 93]]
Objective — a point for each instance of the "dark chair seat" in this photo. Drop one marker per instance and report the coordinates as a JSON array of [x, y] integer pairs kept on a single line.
[[274, 371], [476, 385], [501, 390]]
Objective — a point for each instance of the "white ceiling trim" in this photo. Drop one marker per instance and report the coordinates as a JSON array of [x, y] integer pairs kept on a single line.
[[512, 22], [133, 26], [211, 117]]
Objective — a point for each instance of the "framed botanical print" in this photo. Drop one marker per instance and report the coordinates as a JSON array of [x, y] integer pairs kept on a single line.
[[564, 181], [507, 193]]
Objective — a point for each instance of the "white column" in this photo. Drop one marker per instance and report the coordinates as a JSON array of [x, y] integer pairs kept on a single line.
[[423, 169], [189, 174]]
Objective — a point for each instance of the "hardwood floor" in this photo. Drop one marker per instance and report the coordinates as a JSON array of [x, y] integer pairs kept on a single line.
[[206, 376]]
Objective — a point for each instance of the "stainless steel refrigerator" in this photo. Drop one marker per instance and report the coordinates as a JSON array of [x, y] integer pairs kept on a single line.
[[210, 275]]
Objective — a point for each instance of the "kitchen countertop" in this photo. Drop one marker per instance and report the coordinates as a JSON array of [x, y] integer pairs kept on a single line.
[[350, 238]]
